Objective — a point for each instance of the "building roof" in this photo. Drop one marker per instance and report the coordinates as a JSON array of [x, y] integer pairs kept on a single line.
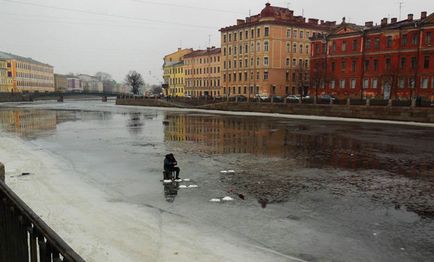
[[205, 52], [175, 63], [280, 16], [8, 56]]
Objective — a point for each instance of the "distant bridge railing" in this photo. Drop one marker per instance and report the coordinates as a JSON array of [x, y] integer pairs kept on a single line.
[[25, 237]]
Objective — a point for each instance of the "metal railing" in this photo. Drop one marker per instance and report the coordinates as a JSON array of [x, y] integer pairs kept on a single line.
[[25, 237]]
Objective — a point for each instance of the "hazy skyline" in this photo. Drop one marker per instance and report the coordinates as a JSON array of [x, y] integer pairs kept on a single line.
[[116, 36]]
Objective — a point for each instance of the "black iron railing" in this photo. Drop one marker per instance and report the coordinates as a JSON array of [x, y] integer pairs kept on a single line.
[[25, 237]]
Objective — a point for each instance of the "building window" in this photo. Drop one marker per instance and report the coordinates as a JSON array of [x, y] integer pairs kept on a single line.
[[258, 32], [401, 83], [334, 46], [301, 48], [265, 75], [235, 63], [252, 33], [307, 49], [266, 31], [257, 61], [344, 46], [366, 66], [288, 47], [241, 63], [353, 66], [403, 62], [294, 33], [230, 37], [425, 82], [377, 43], [374, 83], [294, 62], [230, 50], [287, 75], [388, 64], [288, 33], [355, 45], [413, 63], [365, 83], [294, 48], [241, 49], [368, 43], [301, 35], [258, 47], [343, 66], [353, 83], [404, 40], [247, 34], [241, 35], [375, 65], [265, 61], [332, 84], [428, 38], [235, 36], [224, 38], [9, 74], [235, 51], [389, 42], [426, 62], [415, 39], [266, 46], [246, 48], [287, 62], [342, 83]]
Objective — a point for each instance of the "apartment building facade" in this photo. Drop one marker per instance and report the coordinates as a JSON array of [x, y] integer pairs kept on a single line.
[[173, 75], [269, 53], [391, 60], [26, 74], [202, 72]]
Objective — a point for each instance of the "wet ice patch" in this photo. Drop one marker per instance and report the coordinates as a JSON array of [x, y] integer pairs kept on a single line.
[[182, 186], [167, 181], [215, 200], [178, 180], [187, 180], [192, 186], [223, 171], [231, 171], [228, 198]]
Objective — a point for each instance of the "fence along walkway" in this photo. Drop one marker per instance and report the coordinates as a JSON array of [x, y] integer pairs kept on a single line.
[[25, 237]]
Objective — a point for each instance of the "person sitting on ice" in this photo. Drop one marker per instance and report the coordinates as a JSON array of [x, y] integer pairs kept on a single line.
[[170, 165]]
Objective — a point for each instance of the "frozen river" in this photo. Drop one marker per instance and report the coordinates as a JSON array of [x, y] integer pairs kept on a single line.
[[303, 190]]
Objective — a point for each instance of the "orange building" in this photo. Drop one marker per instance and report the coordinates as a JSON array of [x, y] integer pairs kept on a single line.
[[268, 54], [202, 72]]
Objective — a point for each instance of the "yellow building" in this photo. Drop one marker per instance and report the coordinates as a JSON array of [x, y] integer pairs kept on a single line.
[[268, 54], [23, 74], [6, 80], [174, 72]]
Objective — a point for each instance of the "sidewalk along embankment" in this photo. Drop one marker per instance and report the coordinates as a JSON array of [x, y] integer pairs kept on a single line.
[[407, 114]]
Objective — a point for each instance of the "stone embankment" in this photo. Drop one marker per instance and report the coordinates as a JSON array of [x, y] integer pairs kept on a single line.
[[394, 113]]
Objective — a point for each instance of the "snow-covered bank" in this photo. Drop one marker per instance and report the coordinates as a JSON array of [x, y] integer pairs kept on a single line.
[[101, 229]]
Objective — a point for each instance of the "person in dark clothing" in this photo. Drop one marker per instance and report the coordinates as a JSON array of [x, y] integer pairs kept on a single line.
[[170, 165]]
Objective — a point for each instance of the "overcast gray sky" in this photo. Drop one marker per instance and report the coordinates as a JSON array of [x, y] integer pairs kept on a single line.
[[116, 36]]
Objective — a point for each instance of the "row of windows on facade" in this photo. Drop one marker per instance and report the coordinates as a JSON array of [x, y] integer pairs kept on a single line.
[[176, 81], [203, 83], [373, 65], [202, 93], [34, 67], [34, 84], [208, 70], [376, 42], [34, 76], [290, 33], [266, 62], [235, 51], [403, 82], [207, 60], [242, 90], [177, 70], [233, 77]]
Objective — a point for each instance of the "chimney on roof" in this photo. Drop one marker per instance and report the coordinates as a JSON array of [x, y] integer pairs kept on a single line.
[[322, 22], [423, 15], [394, 20], [343, 20], [179, 48], [384, 21], [313, 21], [240, 21], [369, 24], [410, 17]]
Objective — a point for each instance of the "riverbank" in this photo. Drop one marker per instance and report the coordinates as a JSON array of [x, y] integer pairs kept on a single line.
[[349, 112]]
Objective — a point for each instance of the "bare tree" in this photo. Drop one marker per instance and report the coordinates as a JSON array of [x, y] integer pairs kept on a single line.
[[156, 89], [135, 81]]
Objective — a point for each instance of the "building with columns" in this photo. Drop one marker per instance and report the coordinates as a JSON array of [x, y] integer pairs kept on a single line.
[[391, 60], [202, 72], [268, 54]]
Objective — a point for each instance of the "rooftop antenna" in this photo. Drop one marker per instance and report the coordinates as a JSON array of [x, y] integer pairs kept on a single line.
[[209, 40], [302, 12], [250, 12], [401, 4]]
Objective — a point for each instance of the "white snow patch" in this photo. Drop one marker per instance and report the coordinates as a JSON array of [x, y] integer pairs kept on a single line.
[[228, 198], [192, 186], [182, 186], [215, 200]]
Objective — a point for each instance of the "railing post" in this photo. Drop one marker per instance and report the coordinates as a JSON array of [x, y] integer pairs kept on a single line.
[[2, 172]]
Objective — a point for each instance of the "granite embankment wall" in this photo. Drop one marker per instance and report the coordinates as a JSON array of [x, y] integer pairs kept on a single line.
[[396, 113]]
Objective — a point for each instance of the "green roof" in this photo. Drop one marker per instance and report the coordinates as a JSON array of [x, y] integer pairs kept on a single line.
[[7, 56]]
